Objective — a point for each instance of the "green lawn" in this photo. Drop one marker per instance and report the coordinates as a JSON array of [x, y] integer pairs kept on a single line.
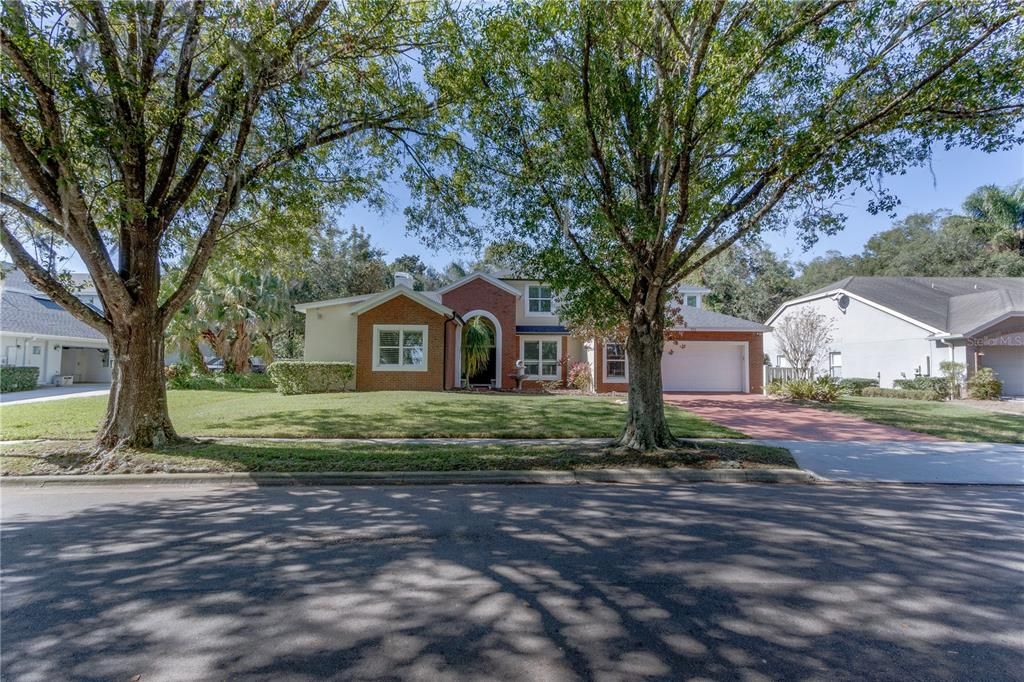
[[59, 457], [946, 420], [357, 415]]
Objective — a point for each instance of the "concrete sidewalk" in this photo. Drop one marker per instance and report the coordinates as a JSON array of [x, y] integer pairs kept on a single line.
[[909, 462], [44, 394]]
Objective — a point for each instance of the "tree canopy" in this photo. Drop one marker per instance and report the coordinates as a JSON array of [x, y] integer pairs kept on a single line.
[[628, 144]]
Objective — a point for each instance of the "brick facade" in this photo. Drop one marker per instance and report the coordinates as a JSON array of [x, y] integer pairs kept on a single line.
[[479, 294], [755, 357], [401, 310]]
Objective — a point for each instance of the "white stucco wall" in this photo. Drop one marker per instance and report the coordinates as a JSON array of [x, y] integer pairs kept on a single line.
[[522, 316], [331, 333], [874, 343]]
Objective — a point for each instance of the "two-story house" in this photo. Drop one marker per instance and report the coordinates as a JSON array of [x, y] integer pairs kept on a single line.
[[35, 331], [401, 339]]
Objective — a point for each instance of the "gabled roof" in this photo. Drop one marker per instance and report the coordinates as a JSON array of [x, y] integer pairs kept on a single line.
[[954, 305], [36, 314], [490, 279], [303, 307], [395, 292], [700, 319]]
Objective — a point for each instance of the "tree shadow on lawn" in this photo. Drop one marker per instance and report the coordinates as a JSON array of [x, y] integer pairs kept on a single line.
[[965, 424], [636, 582], [540, 419]]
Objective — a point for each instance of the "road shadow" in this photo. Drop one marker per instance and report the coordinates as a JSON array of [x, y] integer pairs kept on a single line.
[[627, 582]]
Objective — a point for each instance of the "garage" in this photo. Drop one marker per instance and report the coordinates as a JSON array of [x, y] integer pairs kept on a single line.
[[1008, 364], [708, 366]]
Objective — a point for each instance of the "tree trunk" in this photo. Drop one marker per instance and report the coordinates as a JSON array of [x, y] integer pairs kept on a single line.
[[137, 408], [646, 427]]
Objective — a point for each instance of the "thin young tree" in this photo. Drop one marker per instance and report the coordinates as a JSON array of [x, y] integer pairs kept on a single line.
[[146, 133], [626, 144]]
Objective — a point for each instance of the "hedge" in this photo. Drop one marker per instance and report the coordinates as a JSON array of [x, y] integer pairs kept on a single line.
[[18, 378], [854, 385], [939, 385], [904, 393], [293, 377], [185, 378]]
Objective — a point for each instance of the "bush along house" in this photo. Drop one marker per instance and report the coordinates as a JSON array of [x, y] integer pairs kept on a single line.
[[402, 339]]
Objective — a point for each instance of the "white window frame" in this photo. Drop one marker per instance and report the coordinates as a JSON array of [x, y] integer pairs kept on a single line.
[[832, 367], [604, 358], [401, 328], [695, 297], [527, 298], [557, 340]]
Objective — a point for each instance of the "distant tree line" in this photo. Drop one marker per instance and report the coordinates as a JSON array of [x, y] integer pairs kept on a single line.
[[985, 239]]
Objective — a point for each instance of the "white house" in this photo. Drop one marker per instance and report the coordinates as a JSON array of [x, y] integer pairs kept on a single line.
[[36, 332], [890, 328]]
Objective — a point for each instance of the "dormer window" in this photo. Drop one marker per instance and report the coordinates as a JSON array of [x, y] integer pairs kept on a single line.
[[693, 300], [539, 299]]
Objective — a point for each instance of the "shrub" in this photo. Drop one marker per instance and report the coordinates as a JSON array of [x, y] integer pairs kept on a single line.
[[937, 385], [904, 393], [984, 385], [293, 377], [854, 385], [18, 378], [824, 389], [953, 373], [774, 387], [579, 376], [185, 378]]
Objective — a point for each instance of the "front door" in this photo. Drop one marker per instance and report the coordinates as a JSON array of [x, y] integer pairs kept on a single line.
[[486, 376]]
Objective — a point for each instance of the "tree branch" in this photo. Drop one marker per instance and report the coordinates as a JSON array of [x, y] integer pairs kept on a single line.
[[46, 283]]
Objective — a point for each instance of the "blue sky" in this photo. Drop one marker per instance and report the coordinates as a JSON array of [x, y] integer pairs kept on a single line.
[[952, 176]]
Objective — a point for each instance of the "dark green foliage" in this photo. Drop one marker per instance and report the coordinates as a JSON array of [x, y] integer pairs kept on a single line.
[[749, 281], [937, 385], [18, 378], [854, 385], [824, 389], [904, 393], [185, 378], [294, 377], [984, 385]]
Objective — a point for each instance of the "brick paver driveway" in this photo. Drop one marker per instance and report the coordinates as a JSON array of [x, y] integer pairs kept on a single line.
[[763, 418]]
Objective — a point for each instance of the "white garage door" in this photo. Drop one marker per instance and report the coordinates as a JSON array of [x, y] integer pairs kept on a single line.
[[704, 366], [1008, 364]]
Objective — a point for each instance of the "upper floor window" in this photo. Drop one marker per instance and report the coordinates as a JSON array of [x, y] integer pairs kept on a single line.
[[539, 299], [693, 300]]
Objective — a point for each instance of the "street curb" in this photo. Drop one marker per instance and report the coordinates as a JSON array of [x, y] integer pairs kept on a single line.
[[356, 478]]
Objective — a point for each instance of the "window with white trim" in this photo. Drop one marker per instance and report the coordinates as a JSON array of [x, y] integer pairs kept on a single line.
[[693, 300], [835, 364], [614, 361], [400, 348], [539, 299], [540, 358]]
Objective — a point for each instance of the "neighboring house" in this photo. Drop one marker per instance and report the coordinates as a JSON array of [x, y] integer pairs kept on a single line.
[[901, 327], [402, 339], [36, 332]]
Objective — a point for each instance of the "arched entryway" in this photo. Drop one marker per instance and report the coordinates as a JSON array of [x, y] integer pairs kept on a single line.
[[487, 370]]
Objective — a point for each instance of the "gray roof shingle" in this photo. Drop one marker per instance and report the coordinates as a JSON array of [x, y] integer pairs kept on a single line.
[[696, 319], [952, 304], [22, 313]]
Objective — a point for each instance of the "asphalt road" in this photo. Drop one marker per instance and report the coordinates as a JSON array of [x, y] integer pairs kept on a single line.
[[536, 583]]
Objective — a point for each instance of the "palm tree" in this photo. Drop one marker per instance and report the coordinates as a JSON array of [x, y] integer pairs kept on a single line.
[[477, 342], [997, 215]]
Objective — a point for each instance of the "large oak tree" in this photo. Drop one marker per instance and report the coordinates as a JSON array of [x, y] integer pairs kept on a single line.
[[626, 144], [143, 134]]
